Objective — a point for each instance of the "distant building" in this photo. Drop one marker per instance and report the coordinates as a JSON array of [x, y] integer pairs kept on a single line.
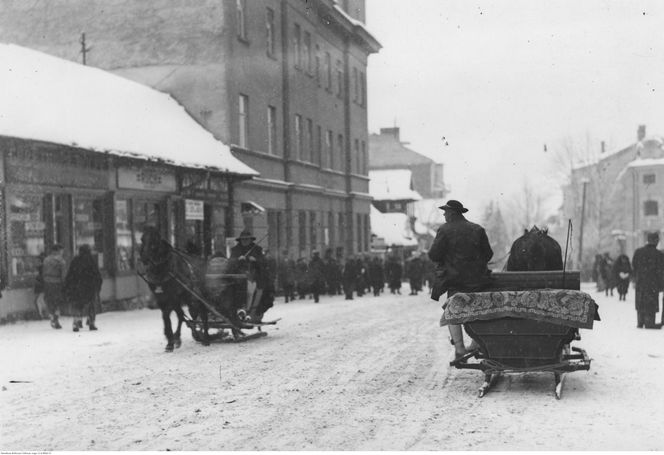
[[392, 190], [624, 193], [386, 151], [284, 82]]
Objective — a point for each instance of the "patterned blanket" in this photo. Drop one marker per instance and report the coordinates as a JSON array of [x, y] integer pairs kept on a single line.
[[558, 306]]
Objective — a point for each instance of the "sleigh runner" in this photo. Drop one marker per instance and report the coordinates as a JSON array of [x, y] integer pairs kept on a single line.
[[524, 322]]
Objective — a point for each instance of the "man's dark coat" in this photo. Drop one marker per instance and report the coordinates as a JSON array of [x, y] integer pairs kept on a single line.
[[461, 252], [648, 267]]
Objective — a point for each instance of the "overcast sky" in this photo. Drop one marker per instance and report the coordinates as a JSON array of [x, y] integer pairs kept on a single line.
[[499, 79]]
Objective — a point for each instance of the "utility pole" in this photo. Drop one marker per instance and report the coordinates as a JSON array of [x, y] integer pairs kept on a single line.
[[84, 49], [583, 215]]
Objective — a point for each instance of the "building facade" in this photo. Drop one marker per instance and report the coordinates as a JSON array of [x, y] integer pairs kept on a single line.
[[617, 200], [386, 151], [283, 81]]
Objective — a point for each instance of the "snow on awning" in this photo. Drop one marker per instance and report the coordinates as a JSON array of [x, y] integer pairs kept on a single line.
[[393, 228], [251, 208], [49, 99], [392, 185]]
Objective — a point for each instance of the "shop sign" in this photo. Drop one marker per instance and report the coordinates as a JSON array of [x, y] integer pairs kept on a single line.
[[56, 174], [146, 178], [193, 210]]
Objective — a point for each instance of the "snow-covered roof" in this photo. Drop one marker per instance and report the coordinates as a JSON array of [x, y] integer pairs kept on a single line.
[[53, 100], [392, 185], [645, 162], [393, 228]]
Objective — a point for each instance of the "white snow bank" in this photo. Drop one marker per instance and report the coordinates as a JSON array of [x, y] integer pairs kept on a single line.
[[645, 162], [58, 101]]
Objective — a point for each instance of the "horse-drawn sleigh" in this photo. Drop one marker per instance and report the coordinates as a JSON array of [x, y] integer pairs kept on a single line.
[[526, 318], [220, 294]]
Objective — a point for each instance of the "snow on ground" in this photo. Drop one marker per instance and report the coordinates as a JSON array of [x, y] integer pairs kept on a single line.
[[368, 374]]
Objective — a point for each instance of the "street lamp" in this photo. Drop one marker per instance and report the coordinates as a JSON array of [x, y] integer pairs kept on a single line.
[[585, 182]]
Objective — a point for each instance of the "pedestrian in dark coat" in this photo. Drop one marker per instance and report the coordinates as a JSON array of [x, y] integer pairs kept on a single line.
[[302, 281], [606, 271], [349, 277], [317, 271], [54, 273], [461, 252], [252, 262], [286, 275], [648, 267], [415, 273], [332, 273], [622, 272], [394, 274], [376, 275], [361, 277], [82, 286]]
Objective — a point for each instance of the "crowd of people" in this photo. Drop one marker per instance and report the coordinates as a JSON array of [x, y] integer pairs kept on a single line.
[[353, 276], [646, 271]]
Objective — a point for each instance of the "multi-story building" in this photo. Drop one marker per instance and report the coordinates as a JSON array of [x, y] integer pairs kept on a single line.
[[386, 151], [616, 200], [283, 81]]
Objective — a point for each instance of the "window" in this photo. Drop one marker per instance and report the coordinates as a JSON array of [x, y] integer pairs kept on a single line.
[[340, 79], [331, 229], [356, 85], [27, 229], [358, 158], [272, 130], [297, 46], [270, 34], [298, 136], [342, 229], [340, 150], [648, 179], [313, 231], [317, 65], [650, 208], [329, 150], [364, 159], [360, 247], [328, 71], [88, 227], [367, 232], [243, 121], [144, 213], [241, 18], [307, 52], [123, 244], [363, 93], [319, 145], [310, 140], [302, 229]]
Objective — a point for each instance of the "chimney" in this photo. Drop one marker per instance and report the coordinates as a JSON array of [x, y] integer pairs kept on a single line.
[[641, 133], [603, 149], [390, 132]]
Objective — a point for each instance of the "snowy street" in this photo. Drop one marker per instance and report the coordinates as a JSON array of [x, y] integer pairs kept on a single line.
[[368, 374]]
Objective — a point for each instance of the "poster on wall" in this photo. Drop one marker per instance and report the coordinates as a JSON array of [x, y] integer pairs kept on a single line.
[[193, 210]]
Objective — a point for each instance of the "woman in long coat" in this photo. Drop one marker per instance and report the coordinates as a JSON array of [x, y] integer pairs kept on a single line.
[[622, 271], [82, 286]]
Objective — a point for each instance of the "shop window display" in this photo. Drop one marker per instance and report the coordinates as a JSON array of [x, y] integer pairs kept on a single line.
[[27, 232], [88, 227]]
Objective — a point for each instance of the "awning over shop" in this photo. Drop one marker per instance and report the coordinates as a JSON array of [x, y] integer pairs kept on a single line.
[[49, 99], [251, 208]]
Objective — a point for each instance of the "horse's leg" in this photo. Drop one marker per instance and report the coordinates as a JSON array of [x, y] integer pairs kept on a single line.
[[204, 318], [176, 336], [168, 329]]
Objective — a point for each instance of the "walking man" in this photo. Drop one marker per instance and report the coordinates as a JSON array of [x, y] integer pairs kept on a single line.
[[55, 271], [461, 252], [648, 267]]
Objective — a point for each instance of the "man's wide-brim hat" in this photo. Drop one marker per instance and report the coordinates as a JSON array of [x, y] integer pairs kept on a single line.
[[245, 235], [454, 205]]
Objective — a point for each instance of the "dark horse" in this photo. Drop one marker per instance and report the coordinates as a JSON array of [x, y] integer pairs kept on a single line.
[[535, 250], [176, 279], [160, 268]]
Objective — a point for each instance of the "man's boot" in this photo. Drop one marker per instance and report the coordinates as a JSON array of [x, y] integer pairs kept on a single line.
[[54, 322]]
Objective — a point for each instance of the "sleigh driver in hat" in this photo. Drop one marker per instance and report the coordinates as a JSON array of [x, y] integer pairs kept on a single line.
[[461, 252], [252, 261]]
